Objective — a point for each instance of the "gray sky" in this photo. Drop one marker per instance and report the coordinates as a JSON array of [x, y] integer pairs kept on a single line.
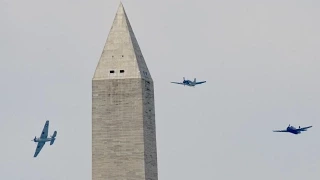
[[260, 60]]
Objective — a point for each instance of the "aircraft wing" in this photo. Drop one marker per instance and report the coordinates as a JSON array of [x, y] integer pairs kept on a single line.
[[201, 82], [280, 131], [304, 128], [177, 83], [38, 149], [44, 133]]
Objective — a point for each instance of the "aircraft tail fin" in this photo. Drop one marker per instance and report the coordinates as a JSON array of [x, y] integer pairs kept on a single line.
[[195, 80]]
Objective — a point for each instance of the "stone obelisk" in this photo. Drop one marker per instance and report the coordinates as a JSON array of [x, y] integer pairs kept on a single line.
[[123, 113]]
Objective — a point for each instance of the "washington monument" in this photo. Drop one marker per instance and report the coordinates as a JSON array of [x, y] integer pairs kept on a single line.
[[123, 114]]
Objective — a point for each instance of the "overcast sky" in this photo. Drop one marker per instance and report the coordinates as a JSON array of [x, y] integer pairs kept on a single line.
[[260, 60]]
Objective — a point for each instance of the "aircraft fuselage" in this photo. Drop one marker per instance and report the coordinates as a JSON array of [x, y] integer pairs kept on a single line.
[[189, 83], [42, 140], [293, 130]]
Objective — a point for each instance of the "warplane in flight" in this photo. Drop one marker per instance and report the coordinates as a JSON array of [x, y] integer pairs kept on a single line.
[[293, 130], [44, 138], [189, 83]]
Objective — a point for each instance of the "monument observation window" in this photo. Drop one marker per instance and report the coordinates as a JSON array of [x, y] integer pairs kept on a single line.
[[112, 71], [121, 71]]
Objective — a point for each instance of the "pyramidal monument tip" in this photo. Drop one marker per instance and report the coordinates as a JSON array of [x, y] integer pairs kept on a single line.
[[121, 57]]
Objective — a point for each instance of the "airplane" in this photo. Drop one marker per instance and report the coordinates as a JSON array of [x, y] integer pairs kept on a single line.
[[44, 138], [189, 83], [293, 130]]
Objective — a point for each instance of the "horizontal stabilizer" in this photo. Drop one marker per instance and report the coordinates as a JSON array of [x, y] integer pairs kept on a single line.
[[53, 137], [54, 134], [52, 141]]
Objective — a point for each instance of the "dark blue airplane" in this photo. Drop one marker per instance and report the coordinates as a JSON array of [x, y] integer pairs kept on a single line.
[[293, 130], [189, 83], [44, 138]]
